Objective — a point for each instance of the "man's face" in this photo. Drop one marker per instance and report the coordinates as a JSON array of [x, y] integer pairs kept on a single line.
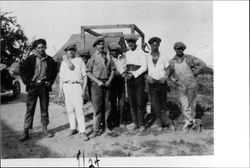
[[85, 59], [155, 46], [100, 46], [114, 53], [71, 52], [179, 51], [131, 44], [40, 49]]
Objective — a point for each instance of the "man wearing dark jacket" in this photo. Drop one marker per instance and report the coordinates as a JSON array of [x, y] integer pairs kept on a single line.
[[38, 72]]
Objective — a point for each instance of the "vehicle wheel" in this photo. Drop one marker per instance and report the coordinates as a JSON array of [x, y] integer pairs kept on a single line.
[[16, 89]]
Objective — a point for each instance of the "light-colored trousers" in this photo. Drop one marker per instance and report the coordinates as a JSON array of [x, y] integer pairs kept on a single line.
[[74, 106], [187, 99]]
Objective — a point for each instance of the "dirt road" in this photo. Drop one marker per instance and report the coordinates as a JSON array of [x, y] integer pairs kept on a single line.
[[126, 143]]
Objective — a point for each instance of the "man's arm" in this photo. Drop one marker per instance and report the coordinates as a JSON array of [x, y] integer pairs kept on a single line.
[[198, 64], [68, 62], [24, 70], [89, 69]]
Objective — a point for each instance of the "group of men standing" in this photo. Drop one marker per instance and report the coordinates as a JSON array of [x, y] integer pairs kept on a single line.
[[111, 77]]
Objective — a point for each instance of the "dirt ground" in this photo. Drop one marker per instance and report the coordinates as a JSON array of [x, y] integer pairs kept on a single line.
[[124, 144]]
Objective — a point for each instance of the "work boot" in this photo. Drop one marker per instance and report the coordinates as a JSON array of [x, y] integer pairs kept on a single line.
[[84, 136], [24, 136], [72, 132], [197, 125], [45, 132], [94, 134], [187, 126], [142, 128]]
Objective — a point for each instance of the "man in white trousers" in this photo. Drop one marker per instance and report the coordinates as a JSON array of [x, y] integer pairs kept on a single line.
[[72, 84]]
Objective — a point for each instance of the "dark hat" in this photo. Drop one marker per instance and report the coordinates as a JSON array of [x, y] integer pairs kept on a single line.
[[179, 45], [84, 52], [131, 37], [114, 46], [153, 39], [70, 46], [98, 39]]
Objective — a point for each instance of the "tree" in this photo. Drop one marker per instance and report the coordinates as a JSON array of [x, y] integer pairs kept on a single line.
[[14, 44]]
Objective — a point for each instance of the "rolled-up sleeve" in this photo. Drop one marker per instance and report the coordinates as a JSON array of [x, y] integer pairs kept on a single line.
[[90, 64], [143, 68], [83, 68]]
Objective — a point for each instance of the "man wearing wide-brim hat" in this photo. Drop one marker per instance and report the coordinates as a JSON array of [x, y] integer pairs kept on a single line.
[[136, 65], [100, 69], [157, 81], [72, 85], [183, 69]]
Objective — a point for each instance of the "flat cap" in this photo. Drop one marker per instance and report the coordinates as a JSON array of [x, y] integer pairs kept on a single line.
[[84, 52], [114, 46], [179, 45], [153, 39], [70, 46], [97, 40], [131, 37]]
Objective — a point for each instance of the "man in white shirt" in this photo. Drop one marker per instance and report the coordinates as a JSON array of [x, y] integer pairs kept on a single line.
[[156, 79], [117, 85], [136, 65], [72, 85]]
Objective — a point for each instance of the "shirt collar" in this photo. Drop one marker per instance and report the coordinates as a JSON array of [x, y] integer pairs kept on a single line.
[[176, 58], [42, 58]]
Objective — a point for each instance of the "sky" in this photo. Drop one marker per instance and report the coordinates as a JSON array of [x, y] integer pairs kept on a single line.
[[188, 21]]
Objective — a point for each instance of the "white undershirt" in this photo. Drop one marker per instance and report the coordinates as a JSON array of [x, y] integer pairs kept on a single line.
[[157, 71]]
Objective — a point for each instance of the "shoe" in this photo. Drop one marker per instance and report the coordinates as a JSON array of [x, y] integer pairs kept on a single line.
[[45, 132], [142, 128], [172, 127], [187, 126], [95, 134], [72, 132], [24, 137], [84, 136], [197, 125], [160, 129]]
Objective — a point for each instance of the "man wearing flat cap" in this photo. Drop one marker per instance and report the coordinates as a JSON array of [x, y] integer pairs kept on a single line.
[[85, 55], [136, 64], [117, 85], [157, 81], [72, 85], [100, 69], [183, 69], [38, 73]]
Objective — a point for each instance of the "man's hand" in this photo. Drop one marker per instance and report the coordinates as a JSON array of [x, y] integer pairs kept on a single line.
[[107, 83], [163, 80], [150, 80], [100, 84], [129, 76]]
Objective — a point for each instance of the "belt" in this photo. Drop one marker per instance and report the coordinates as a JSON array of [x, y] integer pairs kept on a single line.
[[132, 67], [72, 82]]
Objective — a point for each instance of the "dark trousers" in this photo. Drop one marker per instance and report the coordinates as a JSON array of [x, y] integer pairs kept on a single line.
[[33, 93], [117, 98], [101, 104], [158, 98], [136, 96]]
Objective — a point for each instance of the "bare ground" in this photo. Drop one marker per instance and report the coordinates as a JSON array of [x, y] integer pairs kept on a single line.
[[124, 143]]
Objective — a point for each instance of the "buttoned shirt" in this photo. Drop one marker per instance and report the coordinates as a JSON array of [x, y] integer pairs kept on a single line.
[[40, 68], [73, 75], [100, 65], [120, 63], [137, 57], [157, 71]]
